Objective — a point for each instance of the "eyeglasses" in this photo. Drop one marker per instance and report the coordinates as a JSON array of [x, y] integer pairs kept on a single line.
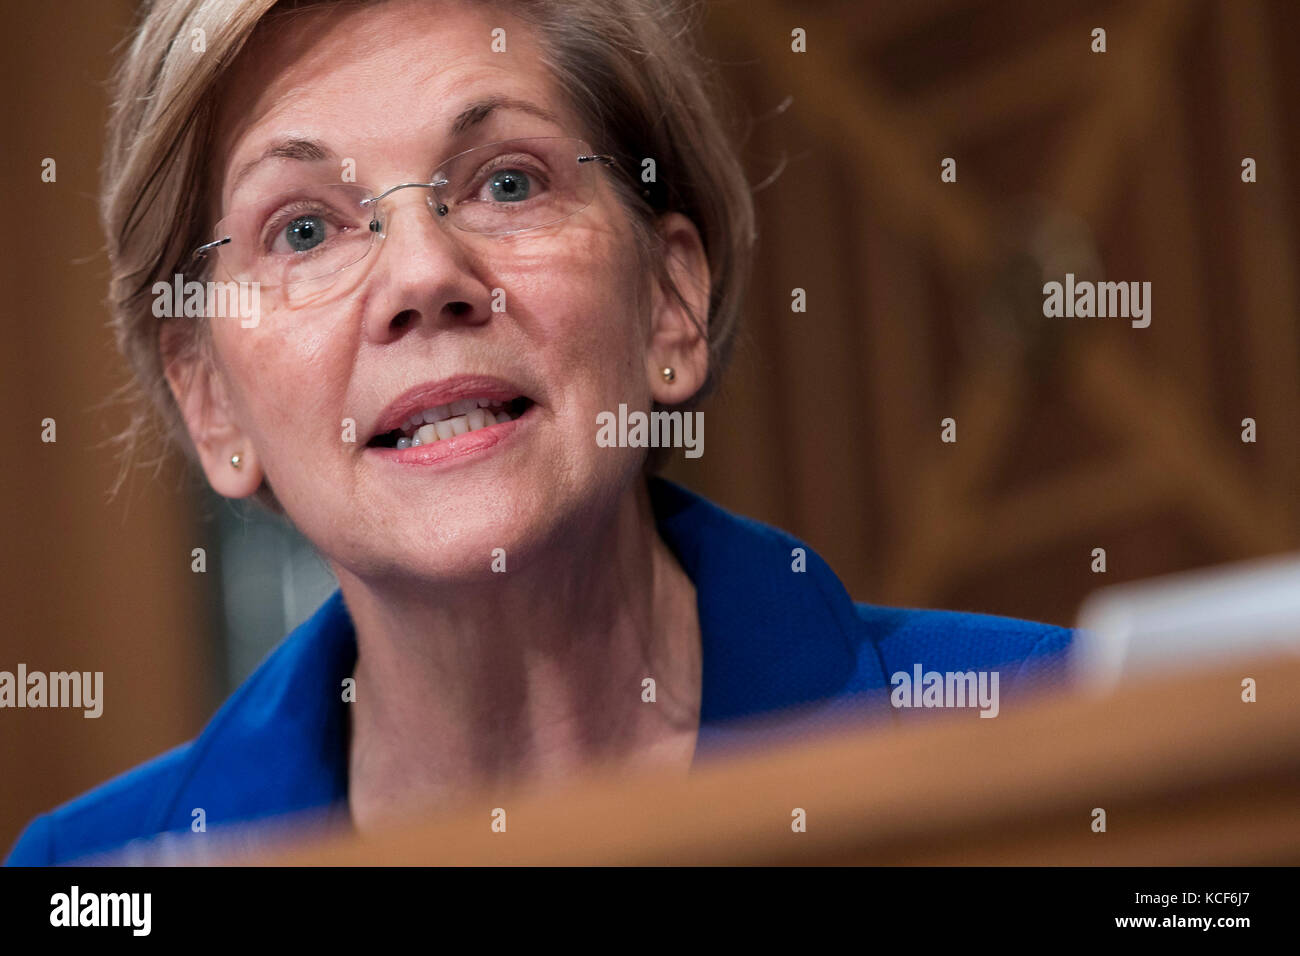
[[299, 237]]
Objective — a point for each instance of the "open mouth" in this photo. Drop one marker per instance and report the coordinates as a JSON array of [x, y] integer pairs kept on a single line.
[[447, 421]]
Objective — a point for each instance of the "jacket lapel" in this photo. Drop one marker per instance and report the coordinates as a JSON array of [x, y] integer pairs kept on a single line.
[[279, 744], [774, 638]]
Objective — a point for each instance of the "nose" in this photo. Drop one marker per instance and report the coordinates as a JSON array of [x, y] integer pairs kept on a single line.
[[423, 276]]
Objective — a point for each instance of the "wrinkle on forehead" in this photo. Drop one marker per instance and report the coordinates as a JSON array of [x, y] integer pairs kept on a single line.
[[300, 74]]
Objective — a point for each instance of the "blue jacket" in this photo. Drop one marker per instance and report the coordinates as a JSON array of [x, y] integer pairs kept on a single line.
[[773, 637]]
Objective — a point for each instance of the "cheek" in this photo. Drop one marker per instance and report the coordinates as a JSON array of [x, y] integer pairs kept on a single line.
[[284, 380], [581, 308]]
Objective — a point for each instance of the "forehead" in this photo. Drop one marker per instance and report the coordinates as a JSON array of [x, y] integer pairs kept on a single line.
[[384, 80]]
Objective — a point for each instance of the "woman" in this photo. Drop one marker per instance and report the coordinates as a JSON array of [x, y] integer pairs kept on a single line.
[[418, 385]]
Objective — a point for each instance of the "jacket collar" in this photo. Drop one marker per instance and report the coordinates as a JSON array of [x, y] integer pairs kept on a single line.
[[773, 636]]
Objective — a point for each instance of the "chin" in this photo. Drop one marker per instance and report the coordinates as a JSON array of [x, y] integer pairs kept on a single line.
[[467, 523], [480, 540]]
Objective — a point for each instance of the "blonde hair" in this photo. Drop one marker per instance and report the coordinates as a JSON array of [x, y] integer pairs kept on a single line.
[[634, 80]]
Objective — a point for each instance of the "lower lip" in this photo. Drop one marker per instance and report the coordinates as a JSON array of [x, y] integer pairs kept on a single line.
[[475, 444]]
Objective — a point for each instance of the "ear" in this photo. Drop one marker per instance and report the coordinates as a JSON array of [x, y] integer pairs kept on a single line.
[[201, 396], [676, 340]]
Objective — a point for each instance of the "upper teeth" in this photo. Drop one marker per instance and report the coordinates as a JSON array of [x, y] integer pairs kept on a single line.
[[457, 418], [461, 406]]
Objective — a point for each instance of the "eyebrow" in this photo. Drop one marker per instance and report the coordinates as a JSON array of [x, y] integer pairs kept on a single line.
[[472, 116], [477, 112], [302, 150]]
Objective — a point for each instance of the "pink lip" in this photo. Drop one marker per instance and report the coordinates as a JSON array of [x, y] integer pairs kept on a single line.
[[432, 394], [457, 447]]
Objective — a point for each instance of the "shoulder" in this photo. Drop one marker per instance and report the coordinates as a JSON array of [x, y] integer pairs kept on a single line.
[[275, 747], [1029, 654], [781, 629], [107, 816]]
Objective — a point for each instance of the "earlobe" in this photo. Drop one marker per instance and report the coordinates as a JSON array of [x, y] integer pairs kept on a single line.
[[228, 459], [239, 476]]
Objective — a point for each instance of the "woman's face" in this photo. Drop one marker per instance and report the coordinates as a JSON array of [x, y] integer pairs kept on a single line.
[[381, 87]]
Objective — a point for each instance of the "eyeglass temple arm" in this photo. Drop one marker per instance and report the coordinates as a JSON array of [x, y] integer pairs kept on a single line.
[[204, 249]]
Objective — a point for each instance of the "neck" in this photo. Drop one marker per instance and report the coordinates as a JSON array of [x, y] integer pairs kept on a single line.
[[525, 677]]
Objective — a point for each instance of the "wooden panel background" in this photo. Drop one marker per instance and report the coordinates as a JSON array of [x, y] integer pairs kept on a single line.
[[86, 584], [925, 301]]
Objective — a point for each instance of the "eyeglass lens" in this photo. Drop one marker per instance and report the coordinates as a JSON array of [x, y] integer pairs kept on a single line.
[[295, 233]]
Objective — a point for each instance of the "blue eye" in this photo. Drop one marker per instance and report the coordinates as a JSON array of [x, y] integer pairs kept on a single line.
[[305, 233], [510, 185]]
